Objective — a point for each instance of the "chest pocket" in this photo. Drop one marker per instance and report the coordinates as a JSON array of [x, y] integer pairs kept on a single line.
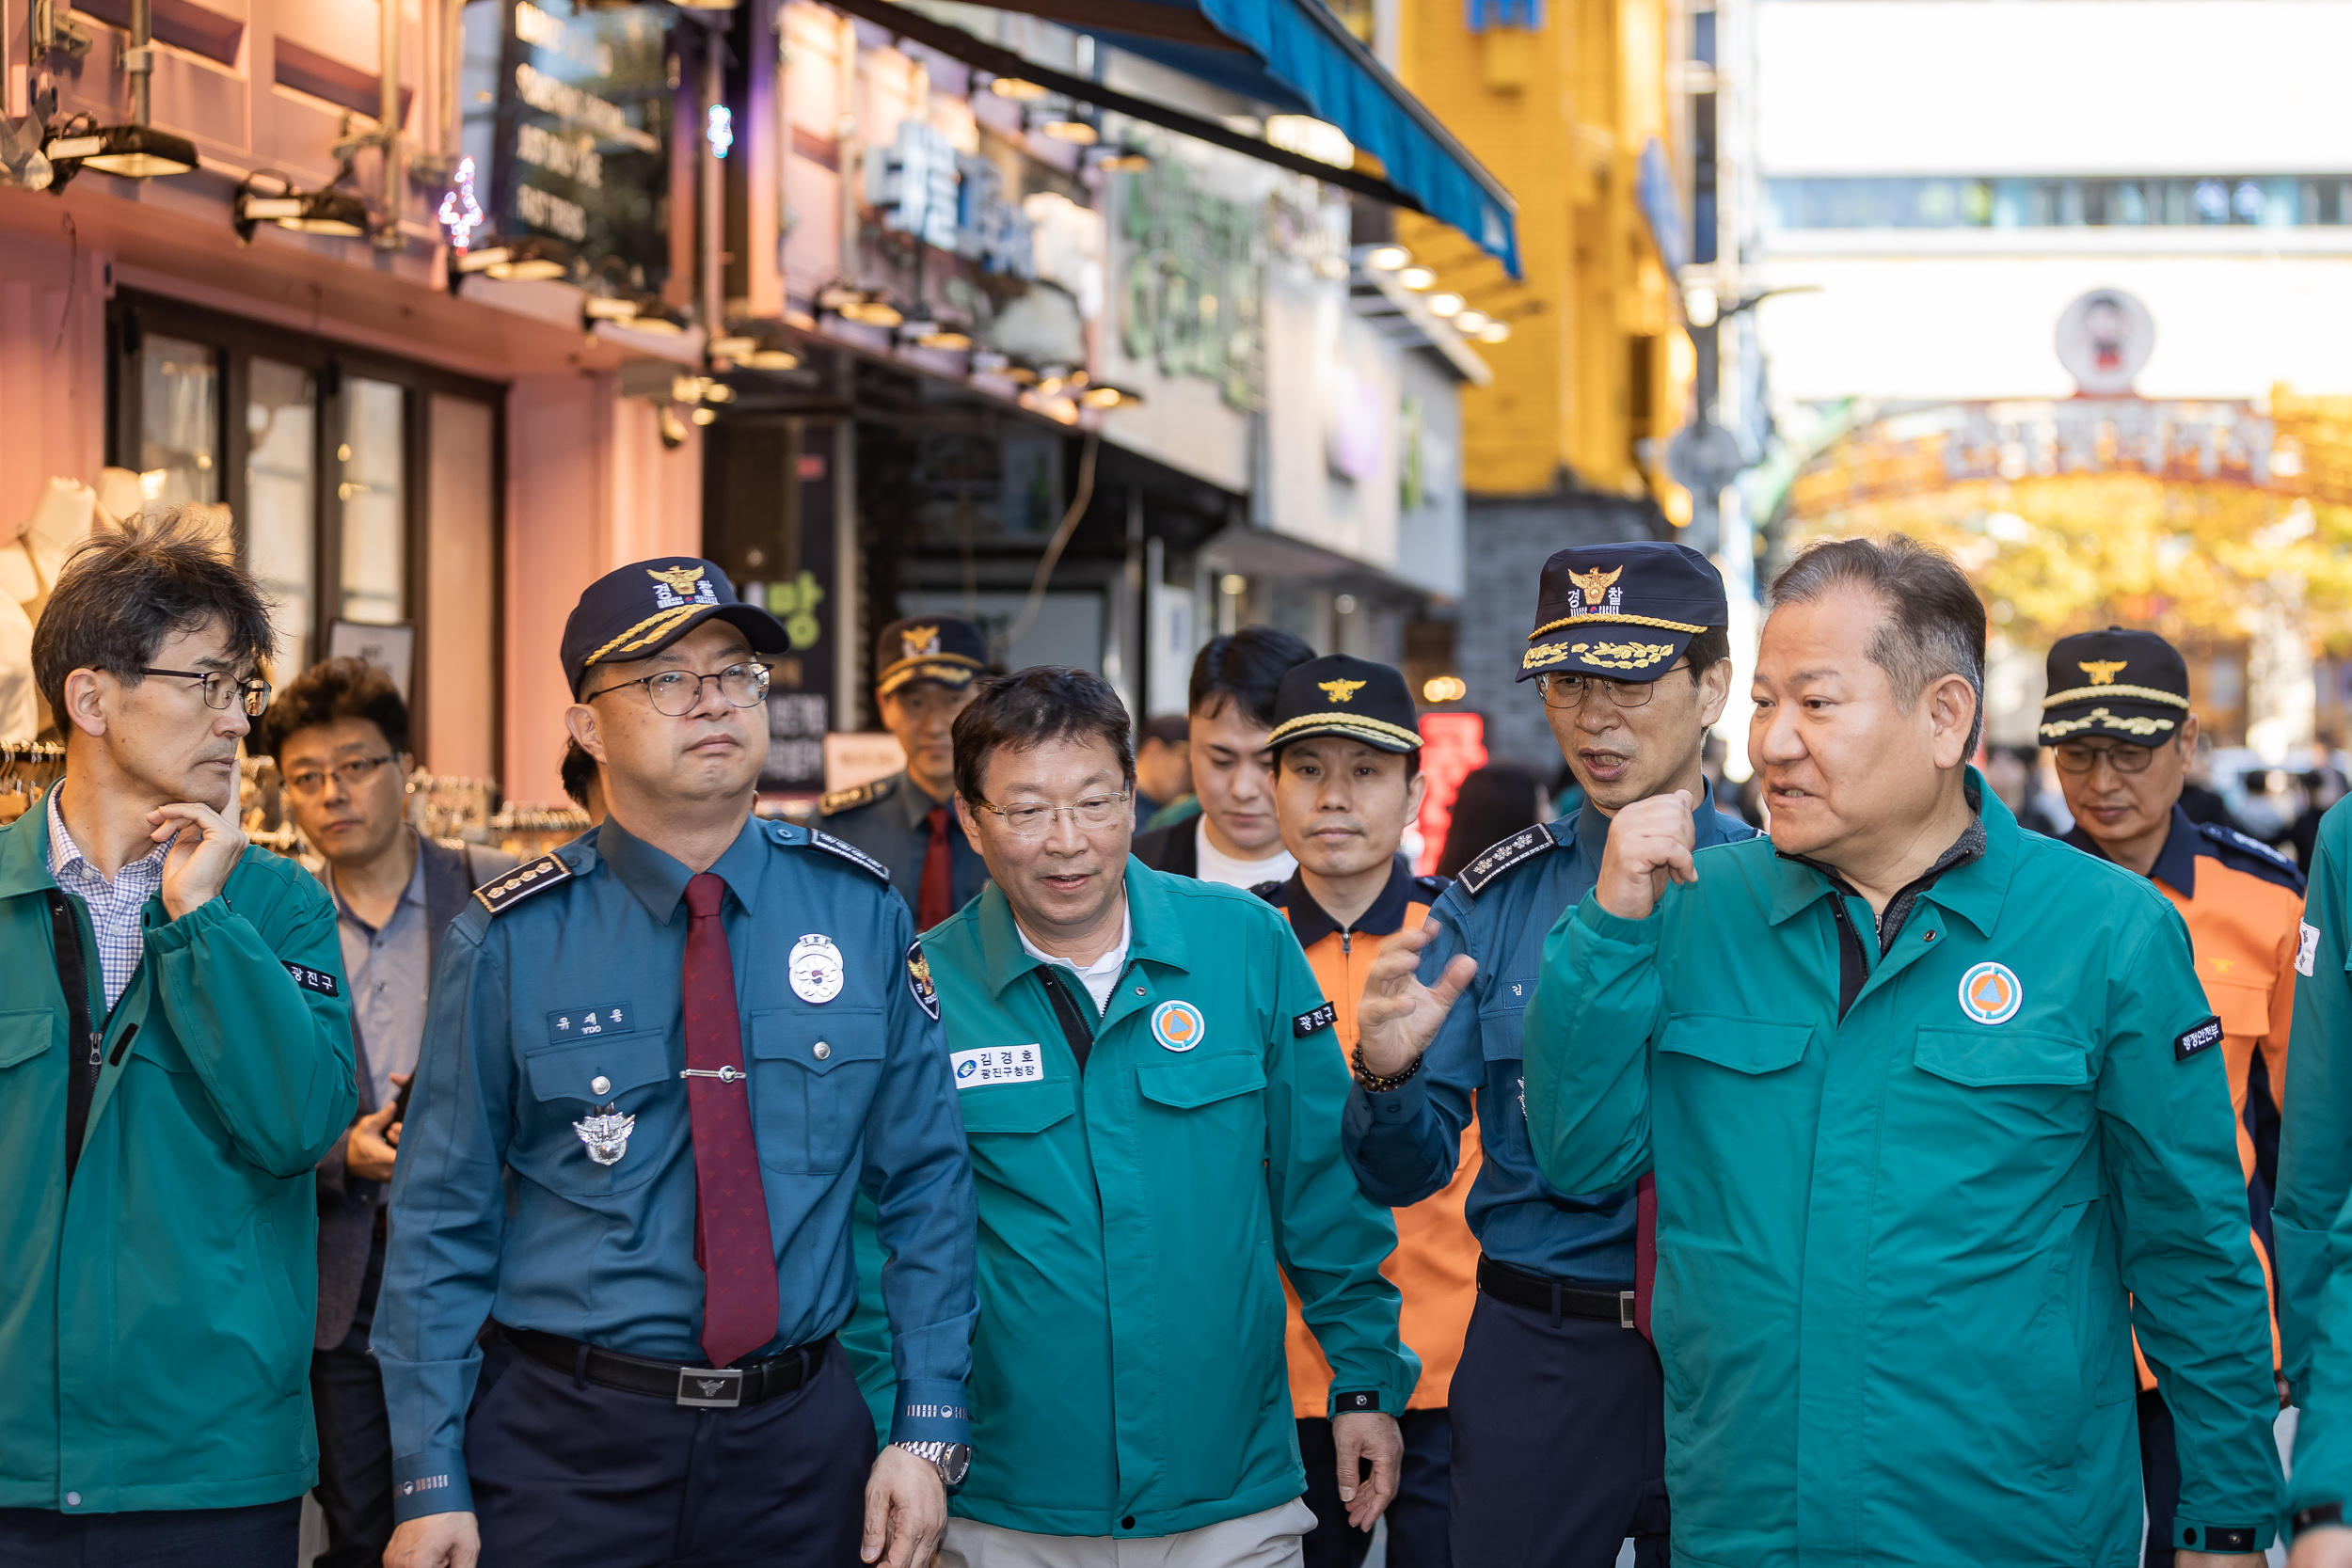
[[814, 1074], [1749, 1045], [561, 1079], [1017, 1109], [2244, 1009], [24, 1036], [1983, 1058], [1191, 1086]]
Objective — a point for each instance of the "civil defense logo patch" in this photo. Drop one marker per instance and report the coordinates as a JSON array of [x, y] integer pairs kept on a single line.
[[1989, 993], [1178, 1025]]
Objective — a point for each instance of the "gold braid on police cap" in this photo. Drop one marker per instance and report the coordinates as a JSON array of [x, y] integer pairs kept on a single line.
[[1616, 620], [652, 626], [2095, 693], [1345, 722]]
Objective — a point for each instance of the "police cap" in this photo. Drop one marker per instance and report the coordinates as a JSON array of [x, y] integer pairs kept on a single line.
[[643, 608], [937, 648], [1624, 612], [2129, 685], [1353, 698]]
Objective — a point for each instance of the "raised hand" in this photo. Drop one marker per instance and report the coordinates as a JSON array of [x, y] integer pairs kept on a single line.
[[1650, 844], [1399, 1016], [204, 849]]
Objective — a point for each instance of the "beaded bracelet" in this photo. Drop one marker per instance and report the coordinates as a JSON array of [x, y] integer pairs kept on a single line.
[[1376, 1083]]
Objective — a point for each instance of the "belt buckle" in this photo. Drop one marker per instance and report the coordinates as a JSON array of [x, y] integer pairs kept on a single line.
[[1624, 1310], [710, 1388]]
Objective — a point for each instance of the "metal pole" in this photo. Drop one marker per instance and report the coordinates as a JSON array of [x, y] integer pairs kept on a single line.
[[388, 122], [714, 213], [138, 59]]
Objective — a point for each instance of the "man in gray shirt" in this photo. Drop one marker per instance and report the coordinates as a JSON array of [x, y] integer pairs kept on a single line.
[[340, 735]]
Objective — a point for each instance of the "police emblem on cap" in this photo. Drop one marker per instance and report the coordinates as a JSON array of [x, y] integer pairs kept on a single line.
[[2104, 670], [1594, 588], [1989, 993], [1624, 612], [919, 641], [677, 586], [2127, 684], [1340, 691], [1178, 1025], [1352, 699]]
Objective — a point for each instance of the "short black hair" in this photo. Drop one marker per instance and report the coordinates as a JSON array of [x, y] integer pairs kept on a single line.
[[130, 588], [1707, 650], [330, 690], [1933, 623], [1030, 707], [579, 772], [1169, 729], [1245, 667]]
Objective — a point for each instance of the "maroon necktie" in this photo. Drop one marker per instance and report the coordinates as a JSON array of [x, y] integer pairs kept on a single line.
[[936, 902], [731, 1238]]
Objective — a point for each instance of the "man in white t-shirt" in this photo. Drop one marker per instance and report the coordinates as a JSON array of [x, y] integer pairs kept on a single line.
[[1234, 839]]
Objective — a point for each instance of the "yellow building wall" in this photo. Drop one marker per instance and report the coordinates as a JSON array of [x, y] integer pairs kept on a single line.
[[1560, 114]]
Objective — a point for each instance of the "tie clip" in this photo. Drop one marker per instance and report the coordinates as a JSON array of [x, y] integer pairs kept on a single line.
[[724, 1075]]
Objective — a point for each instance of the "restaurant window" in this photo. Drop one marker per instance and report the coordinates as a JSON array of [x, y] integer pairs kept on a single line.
[[361, 492]]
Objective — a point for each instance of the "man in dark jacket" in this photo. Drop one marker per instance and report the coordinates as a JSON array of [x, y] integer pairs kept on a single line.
[[340, 735], [1234, 839]]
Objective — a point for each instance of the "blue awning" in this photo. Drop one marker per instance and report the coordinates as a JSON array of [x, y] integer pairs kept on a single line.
[[1297, 56]]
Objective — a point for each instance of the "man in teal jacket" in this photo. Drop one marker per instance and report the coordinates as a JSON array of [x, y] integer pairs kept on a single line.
[[1925, 1097], [2310, 1220], [175, 1056], [1153, 1114]]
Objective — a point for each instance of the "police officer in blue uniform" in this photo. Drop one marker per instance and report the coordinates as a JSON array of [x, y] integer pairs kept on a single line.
[[1557, 1405], [924, 667], [659, 1064]]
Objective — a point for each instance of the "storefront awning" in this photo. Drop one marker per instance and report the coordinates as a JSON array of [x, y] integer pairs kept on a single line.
[[1292, 55]]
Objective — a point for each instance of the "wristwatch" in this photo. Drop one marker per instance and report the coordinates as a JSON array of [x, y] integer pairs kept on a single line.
[[951, 1460]]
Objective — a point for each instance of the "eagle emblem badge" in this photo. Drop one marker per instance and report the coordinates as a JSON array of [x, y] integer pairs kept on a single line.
[[1340, 691], [673, 586], [1599, 589], [2103, 670], [919, 642], [606, 1133]]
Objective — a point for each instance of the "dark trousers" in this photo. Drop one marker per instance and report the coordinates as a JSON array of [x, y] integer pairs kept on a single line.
[[566, 1472], [2159, 1477], [266, 1535], [1559, 1442], [1417, 1514], [355, 1489]]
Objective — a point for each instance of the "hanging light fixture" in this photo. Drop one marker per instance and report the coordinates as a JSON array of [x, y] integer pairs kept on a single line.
[[136, 151], [329, 211], [1417, 279], [1442, 306], [531, 260], [1388, 257], [1105, 395], [1017, 89]]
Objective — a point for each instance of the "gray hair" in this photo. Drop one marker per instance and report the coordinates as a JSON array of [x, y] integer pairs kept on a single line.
[[127, 591], [1934, 625]]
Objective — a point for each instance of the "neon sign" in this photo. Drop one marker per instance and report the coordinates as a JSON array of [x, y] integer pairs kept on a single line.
[[460, 214]]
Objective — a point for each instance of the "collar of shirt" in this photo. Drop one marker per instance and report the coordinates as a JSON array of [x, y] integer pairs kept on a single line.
[[914, 803], [1154, 927], [1970, 878], [1311, 923], [657, 879], [1106, 968], [2176, 862], [67, 859], [412, 894]]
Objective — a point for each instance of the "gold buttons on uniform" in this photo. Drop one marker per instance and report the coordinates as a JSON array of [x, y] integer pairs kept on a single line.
[[823, 1050]]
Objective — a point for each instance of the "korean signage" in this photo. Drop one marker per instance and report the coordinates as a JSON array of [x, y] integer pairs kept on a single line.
[[567, 115], [949, 200], [1189, 295]]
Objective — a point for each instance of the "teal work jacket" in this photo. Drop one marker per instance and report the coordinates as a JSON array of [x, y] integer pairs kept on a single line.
[[1900, 1252], [157, 1317], [1138, 1216]]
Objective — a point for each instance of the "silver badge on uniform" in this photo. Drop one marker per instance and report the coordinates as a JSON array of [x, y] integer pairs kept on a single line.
[[606, 1133], [815, 967]]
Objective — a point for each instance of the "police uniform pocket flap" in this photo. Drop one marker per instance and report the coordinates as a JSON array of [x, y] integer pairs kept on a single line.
[[621, 1062], [1187, 1085], [1742, 1044], [820, 1039], [1017, 1107], [25, 1035], [1982, 1056]]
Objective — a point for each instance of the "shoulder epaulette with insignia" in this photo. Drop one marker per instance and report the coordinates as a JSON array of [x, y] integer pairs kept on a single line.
[[501, 893], [1432, 888], [2268, 863], [1496, 859], [848, 851], [856, 795], [1271, 892]]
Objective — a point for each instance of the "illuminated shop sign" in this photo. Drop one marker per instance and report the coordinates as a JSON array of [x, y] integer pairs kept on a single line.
[[567, 121]]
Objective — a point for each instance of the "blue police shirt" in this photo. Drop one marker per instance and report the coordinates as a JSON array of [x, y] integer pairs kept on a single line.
[[1404, 1144], [577, 980]]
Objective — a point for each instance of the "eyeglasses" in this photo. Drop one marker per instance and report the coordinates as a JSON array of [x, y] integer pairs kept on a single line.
[[351, 775], [2121, 757], [1563, 690], [1091, 815], [221, 689], [675, 693]]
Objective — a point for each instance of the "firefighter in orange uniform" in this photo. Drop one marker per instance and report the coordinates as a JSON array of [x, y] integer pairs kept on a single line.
[[1347, 782], [2118, 721]]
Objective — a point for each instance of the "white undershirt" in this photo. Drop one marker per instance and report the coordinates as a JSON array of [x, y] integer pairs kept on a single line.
[[1218, 866], [1099, 976]]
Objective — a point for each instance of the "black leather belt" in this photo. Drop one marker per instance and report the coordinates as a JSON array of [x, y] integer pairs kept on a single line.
[[715, 1387], [1538, 1294]]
